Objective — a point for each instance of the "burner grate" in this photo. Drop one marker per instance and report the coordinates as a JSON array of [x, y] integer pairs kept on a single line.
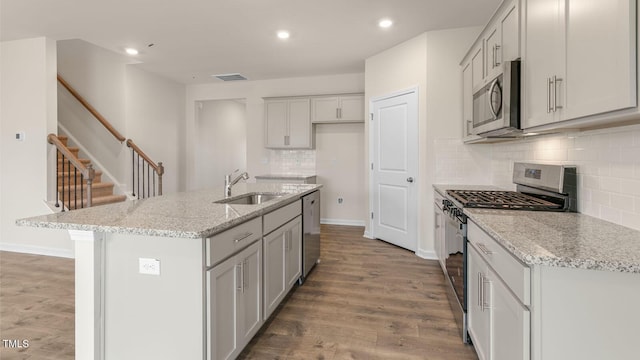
[[501, 200]]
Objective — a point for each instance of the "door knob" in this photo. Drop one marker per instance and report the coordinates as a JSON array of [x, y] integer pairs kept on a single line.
[[410, 179]]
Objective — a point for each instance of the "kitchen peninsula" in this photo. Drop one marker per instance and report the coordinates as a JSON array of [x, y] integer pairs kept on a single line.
[[156, 278]]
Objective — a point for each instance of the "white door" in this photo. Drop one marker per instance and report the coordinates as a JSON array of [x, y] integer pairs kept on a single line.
[[395, 168]]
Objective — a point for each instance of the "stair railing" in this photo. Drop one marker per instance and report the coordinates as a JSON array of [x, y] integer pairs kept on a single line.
[[70, 163], [144, 184], [148, 187], [91, 109]]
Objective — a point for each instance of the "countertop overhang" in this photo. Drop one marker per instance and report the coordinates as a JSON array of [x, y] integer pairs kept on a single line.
[[193, 214]]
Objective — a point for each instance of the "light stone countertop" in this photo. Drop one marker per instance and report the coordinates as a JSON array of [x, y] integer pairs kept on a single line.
[[285, 176], [558, 239], [191, 214]]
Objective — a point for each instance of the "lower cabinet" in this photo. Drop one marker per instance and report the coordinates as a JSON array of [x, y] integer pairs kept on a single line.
[[282, 263], [499, 325], [234, 288]]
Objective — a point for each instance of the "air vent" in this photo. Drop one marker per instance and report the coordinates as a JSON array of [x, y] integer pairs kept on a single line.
[[230, 77]]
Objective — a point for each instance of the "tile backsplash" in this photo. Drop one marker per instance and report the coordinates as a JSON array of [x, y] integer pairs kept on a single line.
[[607, 160], [293, 162]]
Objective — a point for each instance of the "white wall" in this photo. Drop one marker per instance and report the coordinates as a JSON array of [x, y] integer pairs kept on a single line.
[[339, 166], [430, 63], [154, 115], [261, 160], [99, 76], [142, 106], [221, 141], [28, 97]]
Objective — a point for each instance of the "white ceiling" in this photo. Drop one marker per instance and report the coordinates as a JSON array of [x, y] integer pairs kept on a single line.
[[194, 39]]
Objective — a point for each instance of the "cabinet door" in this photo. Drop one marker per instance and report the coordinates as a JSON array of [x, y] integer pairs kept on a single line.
[[544, 60], [275, 124], [510, 329], [493, 49], [601, 57], [477, 68], [299, 124], [477, 311], [467, 103], [274, 270], [352, 108], [250, 315], [510, 33], [438, 235], [325, 109], [293, 251], [222, 307]]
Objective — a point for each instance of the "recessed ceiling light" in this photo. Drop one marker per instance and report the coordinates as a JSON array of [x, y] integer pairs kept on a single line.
[[131, 51], [283, 34], [385, 23]]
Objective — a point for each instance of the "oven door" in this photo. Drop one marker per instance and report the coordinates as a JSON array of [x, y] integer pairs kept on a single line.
[[455, 261]]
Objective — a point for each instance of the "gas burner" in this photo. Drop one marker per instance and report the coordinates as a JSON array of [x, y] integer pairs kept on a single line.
[[510, 200]]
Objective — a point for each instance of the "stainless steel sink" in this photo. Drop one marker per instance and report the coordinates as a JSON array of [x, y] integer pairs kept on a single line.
[[251, 199]]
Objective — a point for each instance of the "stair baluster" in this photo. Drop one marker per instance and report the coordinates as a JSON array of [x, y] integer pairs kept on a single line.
[[144, 185]]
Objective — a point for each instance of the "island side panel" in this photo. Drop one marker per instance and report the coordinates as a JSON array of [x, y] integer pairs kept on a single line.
[[158, 317], [584, 314]]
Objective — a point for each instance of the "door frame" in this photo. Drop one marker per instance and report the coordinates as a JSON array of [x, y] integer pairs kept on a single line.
[[412, 90]]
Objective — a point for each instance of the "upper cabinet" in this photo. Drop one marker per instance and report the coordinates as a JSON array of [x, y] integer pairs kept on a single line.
[[337, 109], [498, 42], [580, 59], [287, 123]]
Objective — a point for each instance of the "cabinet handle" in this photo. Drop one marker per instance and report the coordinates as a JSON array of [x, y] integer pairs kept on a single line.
[[556, 80], [485, 306], [496, 48], [484, 249], [479, 289], [244, 280], [549, 83], [242, 237], [239, 277], [337, 113], [287, 140], [340, 112], [469, 123]]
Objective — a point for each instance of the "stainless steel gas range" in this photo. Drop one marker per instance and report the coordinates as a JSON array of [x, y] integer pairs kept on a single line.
[[539, 187]]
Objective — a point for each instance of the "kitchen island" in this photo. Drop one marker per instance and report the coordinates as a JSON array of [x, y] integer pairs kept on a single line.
[[181, 276]]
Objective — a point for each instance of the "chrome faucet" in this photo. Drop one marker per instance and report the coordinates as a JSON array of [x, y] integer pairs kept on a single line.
[[228, 183]]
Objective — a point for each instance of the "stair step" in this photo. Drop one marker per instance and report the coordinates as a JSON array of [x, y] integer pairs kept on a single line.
[[99, 200], [63, 139], [70, 179], [97, 189]]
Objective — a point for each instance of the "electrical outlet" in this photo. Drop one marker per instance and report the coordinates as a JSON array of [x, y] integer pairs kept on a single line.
[[340, 200], [149, 266]]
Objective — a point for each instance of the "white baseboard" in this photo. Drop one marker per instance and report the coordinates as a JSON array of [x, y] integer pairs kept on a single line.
[[368, 235], [429, 255], [37, 250], [342, 222]]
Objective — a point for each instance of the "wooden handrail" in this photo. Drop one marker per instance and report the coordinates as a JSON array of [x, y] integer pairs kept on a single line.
[[88, 173], [158, 168], [92, 110]]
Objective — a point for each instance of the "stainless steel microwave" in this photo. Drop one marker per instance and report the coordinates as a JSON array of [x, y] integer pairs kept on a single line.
[[496, 107]]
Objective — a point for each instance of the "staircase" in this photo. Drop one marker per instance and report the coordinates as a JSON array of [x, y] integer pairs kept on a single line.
[[73, 192]]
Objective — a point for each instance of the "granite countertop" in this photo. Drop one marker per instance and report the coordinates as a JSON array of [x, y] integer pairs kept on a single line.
[[559, 239], [284, 176], [191, 214]]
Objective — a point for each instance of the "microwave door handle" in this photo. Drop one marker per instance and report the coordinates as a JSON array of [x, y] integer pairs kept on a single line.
[[493, 110]]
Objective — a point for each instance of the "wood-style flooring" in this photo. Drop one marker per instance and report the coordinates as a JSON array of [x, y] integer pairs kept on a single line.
[[365, 300]]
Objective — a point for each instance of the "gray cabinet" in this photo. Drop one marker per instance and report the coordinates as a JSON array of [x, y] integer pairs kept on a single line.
[[282, 263], [234, 288], [337, 108], [287, 123]]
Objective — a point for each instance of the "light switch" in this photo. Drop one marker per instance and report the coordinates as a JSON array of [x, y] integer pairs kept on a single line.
[[20, 136], [149, 266]]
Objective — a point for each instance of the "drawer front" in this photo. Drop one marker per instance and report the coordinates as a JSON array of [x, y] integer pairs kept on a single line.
[[227, 243], [277, 218], [516, 275]]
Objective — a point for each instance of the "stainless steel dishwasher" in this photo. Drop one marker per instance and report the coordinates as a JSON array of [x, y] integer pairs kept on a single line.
[[310, 232]]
